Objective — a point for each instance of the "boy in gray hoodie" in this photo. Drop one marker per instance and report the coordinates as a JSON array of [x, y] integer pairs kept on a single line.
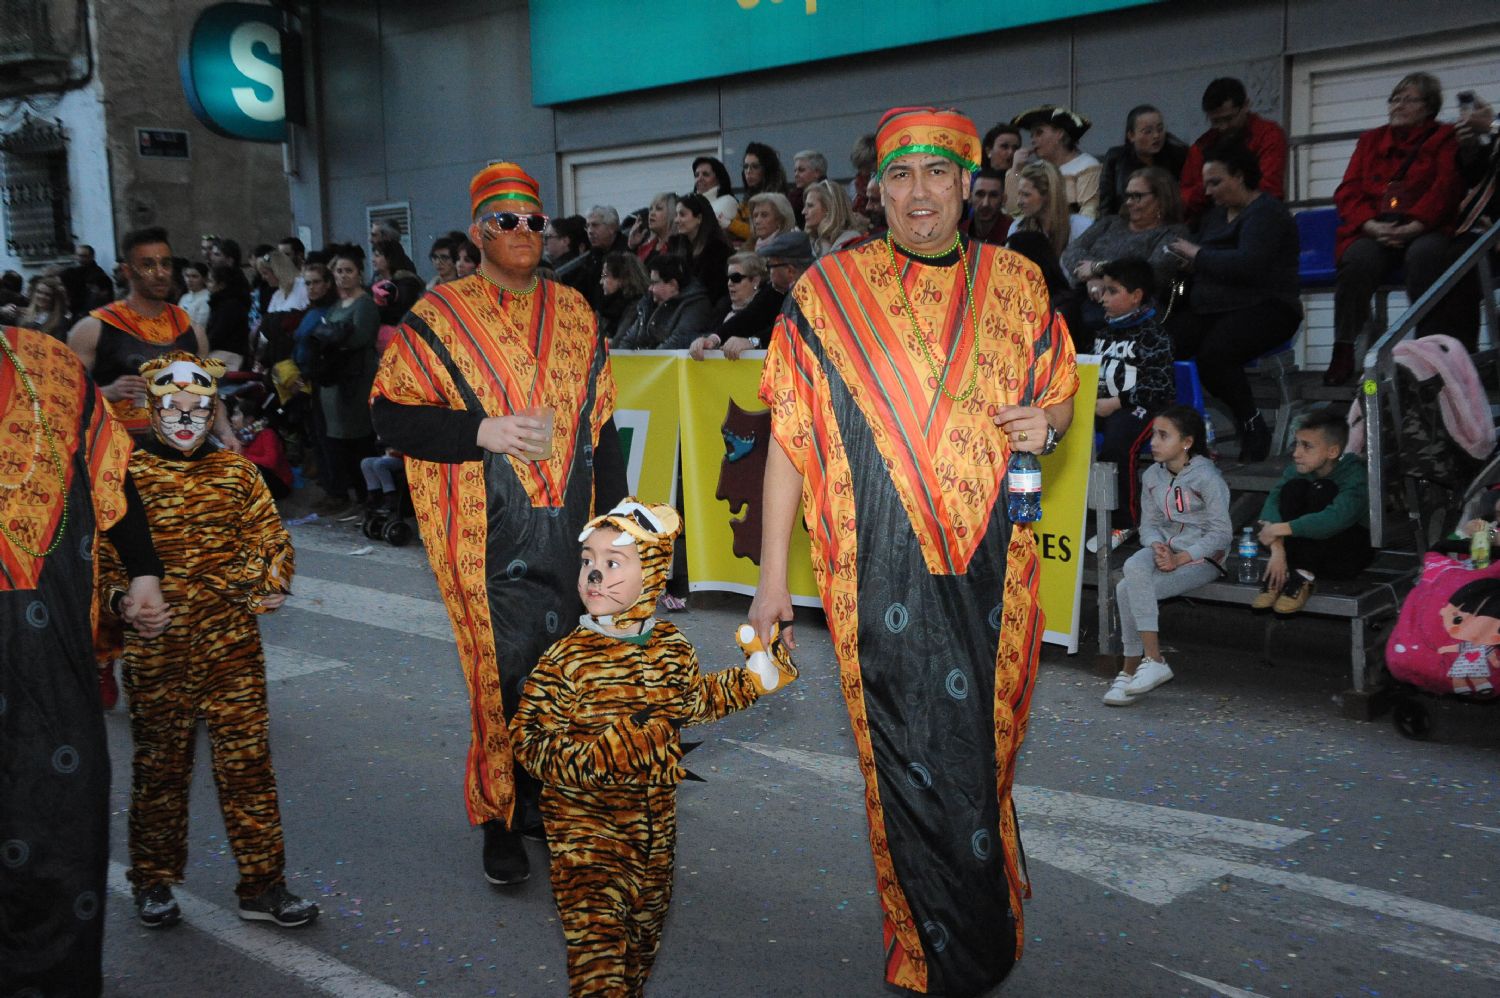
[[1185, 533]]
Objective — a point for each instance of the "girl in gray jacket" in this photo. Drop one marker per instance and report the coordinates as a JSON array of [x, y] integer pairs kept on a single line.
[[1185, 533]]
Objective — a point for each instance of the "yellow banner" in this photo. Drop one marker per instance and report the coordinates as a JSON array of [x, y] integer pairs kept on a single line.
[[646, 414], [724, 429], [1061, 532]]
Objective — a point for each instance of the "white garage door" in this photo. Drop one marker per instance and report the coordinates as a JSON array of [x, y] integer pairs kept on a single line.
[[628, 177], [1347, 91]]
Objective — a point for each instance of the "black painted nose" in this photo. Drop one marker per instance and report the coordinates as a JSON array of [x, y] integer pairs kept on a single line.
[[596, 577]]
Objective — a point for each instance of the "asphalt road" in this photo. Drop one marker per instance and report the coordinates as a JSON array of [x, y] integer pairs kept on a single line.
[[1231, 835]]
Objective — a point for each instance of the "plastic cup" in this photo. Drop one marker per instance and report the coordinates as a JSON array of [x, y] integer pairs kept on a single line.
[[546, 414]]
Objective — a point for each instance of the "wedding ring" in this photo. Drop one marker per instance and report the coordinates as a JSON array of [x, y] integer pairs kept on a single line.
[[1021, 436]]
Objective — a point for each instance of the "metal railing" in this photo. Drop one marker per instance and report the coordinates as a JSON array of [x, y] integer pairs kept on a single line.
[[1379, 390]]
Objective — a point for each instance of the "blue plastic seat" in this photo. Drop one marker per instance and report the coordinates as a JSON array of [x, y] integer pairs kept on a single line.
[[1189, 388], [1317, 231]]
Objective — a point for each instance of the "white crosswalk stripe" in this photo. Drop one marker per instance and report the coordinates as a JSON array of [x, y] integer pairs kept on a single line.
[[372, 607]]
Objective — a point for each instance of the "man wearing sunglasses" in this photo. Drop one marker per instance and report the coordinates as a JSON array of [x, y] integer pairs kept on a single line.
[[498, 391]]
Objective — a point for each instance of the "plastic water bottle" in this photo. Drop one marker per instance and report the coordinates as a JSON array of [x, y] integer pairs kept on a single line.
[[1249, 574], [1479, 547], [1023, 488]]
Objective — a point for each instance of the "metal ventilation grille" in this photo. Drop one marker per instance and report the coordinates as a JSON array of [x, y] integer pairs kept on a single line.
[[397, 215]]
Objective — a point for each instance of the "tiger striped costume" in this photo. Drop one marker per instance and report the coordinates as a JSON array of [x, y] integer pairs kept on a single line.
[[221, 539], [598, 726]]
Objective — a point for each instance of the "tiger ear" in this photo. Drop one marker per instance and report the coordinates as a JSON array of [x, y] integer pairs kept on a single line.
[[671, 523]]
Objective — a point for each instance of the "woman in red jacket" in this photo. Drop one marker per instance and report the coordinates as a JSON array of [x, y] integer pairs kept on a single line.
[[1396, 206]]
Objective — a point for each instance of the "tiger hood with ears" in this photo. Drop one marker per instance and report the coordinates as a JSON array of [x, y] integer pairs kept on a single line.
[[653, 530]]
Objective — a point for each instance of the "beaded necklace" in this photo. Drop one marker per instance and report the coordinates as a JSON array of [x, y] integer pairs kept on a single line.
[[939, 375], [36, 450], [535, 280]]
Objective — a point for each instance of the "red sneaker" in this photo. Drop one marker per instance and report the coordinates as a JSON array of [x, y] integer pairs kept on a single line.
[[109, 690]]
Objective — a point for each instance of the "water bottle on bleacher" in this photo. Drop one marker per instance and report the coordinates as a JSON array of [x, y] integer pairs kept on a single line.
[[1248, 570]]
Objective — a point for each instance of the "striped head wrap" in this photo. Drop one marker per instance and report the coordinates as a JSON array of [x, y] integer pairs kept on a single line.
[[502, 182], [945, 133]]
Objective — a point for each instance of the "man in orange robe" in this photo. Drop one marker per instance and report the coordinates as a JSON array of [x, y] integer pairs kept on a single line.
[[501, 522], [902, 375]]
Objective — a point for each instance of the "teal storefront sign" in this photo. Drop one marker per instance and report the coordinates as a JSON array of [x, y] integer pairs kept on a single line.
[[588, 48], [231, 72]]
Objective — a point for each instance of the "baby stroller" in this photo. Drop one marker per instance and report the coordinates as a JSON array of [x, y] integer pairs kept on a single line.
[[392, 525]]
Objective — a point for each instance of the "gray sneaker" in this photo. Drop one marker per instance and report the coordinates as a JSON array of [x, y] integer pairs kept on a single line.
[[157, 907], [281, 906]]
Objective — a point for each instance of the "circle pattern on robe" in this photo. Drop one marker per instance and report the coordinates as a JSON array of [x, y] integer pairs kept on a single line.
[[588, 455], [14, 853], [86, 547], [937, 935], [994, 617], [86, 906], [980, 843], [957, 685], [896, 618], [65, 759], [516, 569], [37, 615], [918, 775], [551, 621]]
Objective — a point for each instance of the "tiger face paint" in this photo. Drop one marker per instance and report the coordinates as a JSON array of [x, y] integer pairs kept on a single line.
[[630, 550], [184, 392]]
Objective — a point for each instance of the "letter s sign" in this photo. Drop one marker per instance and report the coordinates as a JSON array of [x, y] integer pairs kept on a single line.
[[231, 72]]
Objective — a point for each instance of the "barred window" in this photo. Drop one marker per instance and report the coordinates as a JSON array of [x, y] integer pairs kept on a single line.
[[34, 191]]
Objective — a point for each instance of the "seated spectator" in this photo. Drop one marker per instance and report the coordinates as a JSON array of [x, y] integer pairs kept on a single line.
[[47, 311], [1147, 143], [760, 173], [1245, 298], [862, 158], [466, 261], [1041, 205], [444, 259], [754, 305], [701, 242], [678, 308], [1316, 520], [1398, 204], [12, 295], [261, 444], [295, 249], [770, 216], [829, 222], [988, 222], [711, 179], [1000, 146], [624, 283], [1478, 134], [660, 218], [1136, 380], [1145, 228], [228, 314], [1230, 119], [1055, 132], [808, 167], [1066, 302], [380, 473], [194, 300]]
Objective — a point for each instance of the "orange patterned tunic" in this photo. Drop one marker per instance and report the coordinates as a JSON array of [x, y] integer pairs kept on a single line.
[[931, 595], [501, 532]]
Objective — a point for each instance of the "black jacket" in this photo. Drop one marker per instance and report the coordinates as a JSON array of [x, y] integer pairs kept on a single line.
[[678, 321], [1121, 161]]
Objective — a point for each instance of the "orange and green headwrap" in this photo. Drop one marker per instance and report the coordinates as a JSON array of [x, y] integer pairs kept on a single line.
[[945, 133], [502, 182]]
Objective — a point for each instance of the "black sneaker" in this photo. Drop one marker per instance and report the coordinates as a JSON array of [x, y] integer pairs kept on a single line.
[[279, 905], [157, 907], [505, 862]]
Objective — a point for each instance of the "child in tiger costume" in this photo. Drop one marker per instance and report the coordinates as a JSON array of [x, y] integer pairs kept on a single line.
[[227, 558], [598, 726]]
